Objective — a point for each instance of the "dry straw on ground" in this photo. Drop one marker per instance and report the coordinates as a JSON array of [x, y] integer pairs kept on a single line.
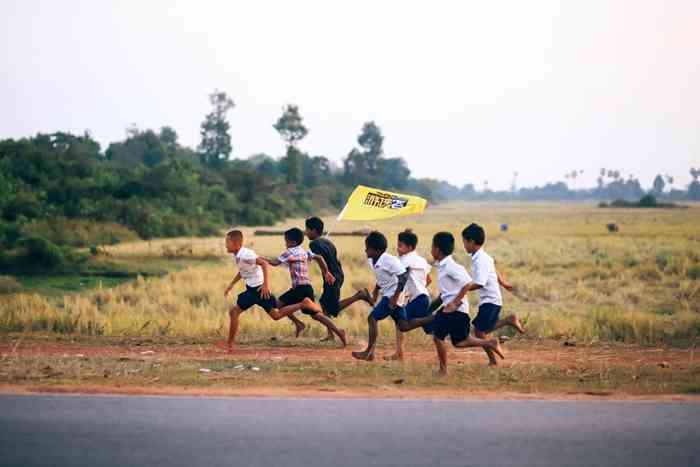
[[576, 280]]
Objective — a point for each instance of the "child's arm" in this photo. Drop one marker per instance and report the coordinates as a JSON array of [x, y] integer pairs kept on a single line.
[[454, 304], [403, 278], [327, 275], [272, 261], [233, 282], [265, 289], [503, 283], [375, 293]]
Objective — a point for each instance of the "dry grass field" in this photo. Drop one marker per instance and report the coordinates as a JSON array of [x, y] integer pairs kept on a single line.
[[575, 280], [630, 292]]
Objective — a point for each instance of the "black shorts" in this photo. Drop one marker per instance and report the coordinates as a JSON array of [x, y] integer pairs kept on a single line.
[[252, 296], [455, 324], [297, 294], [330, 298], [487, 317]]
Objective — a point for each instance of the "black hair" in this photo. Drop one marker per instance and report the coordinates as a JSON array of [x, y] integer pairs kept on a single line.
[[408, 238], [376, 241], [294, 235], [445, 242], [314, 223], [475, 233], [234, 234]]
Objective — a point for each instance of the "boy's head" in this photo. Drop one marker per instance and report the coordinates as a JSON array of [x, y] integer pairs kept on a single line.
[[314, 228], [473, 237], [234, 241], [407, 242], [443, 245], [375, 244], [293, 237]]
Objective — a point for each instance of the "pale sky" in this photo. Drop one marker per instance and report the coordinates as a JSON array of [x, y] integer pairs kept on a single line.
[[465, 91]]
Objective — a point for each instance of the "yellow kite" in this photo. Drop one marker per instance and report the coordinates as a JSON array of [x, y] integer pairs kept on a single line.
[[371, 204]]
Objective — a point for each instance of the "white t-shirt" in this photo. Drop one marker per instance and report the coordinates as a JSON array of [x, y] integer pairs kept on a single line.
[[250, 271], [451, 278], [418, 270], [386, 269], [484, 270]]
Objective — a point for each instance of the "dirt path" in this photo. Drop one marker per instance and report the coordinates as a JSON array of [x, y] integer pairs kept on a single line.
[[306, 368], [523, 352]]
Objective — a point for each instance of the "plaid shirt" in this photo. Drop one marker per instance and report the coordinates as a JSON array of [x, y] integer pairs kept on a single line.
[[297, 260]]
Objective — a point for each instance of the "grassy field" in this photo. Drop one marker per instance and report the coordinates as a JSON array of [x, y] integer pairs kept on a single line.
[[576, 280]]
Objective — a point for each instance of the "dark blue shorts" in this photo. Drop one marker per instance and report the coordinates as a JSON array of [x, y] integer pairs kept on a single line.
[[330, 298], [455, 324], [419, 307], [487, 317], [297, 294], [382, 310], [252, 296]]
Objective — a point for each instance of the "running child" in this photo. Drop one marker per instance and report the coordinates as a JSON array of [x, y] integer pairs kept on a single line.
[[253, 270], [453, 318], [301, 295], [486, 281], [391, 279], [416, 290], [330, 300]]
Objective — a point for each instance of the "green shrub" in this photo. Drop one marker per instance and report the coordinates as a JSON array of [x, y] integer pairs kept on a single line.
[[41, 252], [694, 273]]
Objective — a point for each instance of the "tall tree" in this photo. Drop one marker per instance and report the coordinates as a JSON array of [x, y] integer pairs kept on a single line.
[[371, 141], [290, 125], [291, 128], [658, 185], [215, 147]]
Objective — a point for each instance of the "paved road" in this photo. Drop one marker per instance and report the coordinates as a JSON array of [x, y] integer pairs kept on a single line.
[[186, 431]]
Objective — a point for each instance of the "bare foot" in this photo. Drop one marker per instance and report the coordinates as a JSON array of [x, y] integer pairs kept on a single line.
[[493, 362], [503, 339], [365, 296], [343, 338], [363, 356], [515, 322], [496, 347], [300, 328], [442, 372], [225, 346], [394, 357]]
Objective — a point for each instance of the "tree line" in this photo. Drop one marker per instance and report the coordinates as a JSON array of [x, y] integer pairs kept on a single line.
[[64, 188]]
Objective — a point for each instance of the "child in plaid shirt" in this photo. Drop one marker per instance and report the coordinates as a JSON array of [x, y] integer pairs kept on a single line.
[[301, 295]]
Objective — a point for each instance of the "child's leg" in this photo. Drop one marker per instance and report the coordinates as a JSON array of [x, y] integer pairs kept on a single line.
[[234, 314], [442, 355], [357, 296], [512, 321], [400, 340], [470, 341], [323, 319], [489, 352], [412, 324], [298, 324], [417, 314], [274, 313], [368, 353]]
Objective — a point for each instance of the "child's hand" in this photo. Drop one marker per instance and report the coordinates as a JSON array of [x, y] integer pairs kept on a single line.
[[509, 287], [393, 302], [265, 291], [330, 278], [227, 291], [450, 307]]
